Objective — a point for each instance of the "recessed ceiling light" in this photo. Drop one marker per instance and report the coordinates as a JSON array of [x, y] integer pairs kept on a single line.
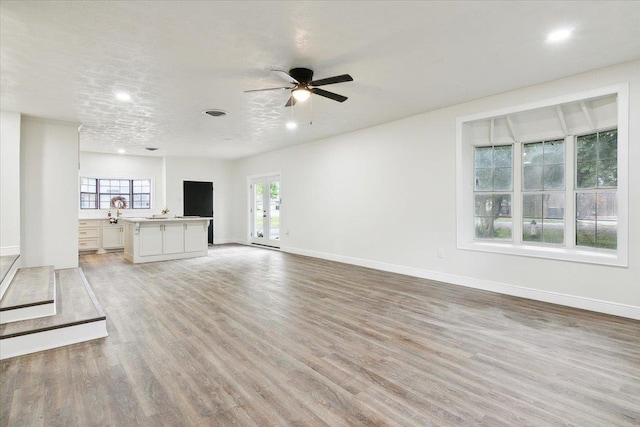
[[121, 151], [123, 96], [559, 35], [292, 125]]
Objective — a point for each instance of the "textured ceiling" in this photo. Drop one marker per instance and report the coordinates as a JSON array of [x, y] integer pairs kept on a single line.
[[65, 61]]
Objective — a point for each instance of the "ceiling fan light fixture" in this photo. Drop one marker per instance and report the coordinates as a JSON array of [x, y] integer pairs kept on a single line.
[[301, 94]]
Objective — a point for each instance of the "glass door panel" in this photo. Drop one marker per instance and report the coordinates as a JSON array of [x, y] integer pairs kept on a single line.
[[274, 210], [265, 211], [258, 210]]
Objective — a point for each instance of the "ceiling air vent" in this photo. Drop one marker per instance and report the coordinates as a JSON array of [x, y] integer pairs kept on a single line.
[[151, 148], [215, 113]]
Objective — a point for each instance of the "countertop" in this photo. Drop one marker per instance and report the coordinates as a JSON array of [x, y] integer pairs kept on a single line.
[[168, 219]]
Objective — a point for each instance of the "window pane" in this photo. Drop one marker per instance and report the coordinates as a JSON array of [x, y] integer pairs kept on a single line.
[[87, 201], [597, 220], [554, 177], [608, 173], [532, 154], [607, 221], [502, 179], [502, 156], [484, 205], [553, 218], [554, 152], [532, 177], [607, 147], [543, 218], [493, 216], [532, 217], [493, 168], [543, 166], [586, 160], [586, 219], [483, 157], [608, 144], [586, 174], [484, 180], [597, 160]]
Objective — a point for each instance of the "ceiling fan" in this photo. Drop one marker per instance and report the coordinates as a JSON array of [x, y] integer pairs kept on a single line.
[[303, 86]]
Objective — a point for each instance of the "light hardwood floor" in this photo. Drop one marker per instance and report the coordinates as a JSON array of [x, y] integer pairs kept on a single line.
[[249, 336]]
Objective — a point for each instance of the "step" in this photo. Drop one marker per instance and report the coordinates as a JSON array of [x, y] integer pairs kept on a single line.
[[8, 266], [79, 317], [30, 295]]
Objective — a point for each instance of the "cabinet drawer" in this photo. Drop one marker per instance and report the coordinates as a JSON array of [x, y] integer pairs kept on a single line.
[[88, 223], [88, 232], [87, 244]]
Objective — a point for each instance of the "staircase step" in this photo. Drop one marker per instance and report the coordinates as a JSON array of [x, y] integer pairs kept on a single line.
[[31, 295], [8, 267], [79, 317]]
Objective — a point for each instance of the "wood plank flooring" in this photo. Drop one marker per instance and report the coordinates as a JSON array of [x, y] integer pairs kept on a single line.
[[250, 337]]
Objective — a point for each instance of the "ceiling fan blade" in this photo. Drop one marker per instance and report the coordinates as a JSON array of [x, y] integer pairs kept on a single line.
[[285, 76], [328, 94], [332, 80], [269, 88], [290, 102]]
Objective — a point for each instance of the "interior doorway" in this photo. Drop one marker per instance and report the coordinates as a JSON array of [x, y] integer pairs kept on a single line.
[[265, 210], [198, 201]]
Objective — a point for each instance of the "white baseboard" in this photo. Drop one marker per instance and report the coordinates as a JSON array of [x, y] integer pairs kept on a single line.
[[223, 241], [31, 343], [606, 307], [9, 250]]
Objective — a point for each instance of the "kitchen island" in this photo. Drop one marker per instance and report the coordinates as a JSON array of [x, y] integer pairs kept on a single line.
[[162, 239]]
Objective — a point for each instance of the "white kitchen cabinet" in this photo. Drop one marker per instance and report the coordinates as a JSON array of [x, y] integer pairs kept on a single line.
[[173, 238], [150, 239], [112, 235], [88, 235], [194, 238], [147, 240]]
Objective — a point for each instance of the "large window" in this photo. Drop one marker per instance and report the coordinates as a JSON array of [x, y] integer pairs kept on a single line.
[[547, 180], [97, 193]]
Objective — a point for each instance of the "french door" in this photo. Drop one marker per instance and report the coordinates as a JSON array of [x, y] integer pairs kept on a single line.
[[265, 210]]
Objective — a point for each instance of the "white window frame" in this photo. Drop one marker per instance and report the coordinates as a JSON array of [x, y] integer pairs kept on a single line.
[[569, 251], [97, 193]]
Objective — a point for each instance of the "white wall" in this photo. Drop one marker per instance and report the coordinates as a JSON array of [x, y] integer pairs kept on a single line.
[[385, 197], [9, 183], [49, 193], [98, 165], [180, 169]]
